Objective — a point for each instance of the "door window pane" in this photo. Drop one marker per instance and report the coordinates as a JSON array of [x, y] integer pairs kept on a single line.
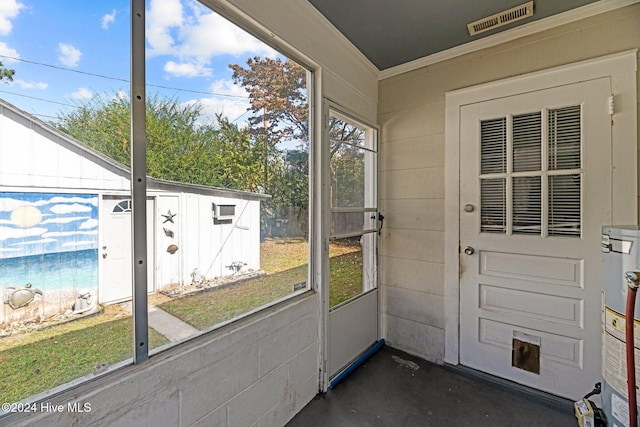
[[493, 146], [564, 205], [353, 201], [493, 205], [527, 138], [527, 192], [564, 138]]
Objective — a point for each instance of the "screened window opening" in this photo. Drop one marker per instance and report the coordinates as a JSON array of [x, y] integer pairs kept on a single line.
[[520, 194], [226, 135]]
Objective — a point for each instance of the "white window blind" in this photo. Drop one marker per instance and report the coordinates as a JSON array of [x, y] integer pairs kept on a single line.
[[493, 134], [521, 194]]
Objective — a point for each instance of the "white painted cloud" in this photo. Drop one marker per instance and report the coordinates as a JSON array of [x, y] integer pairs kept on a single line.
[[9, 9], [90, 223], [108, 19], [65, 209], [34, 242], [20, 233], [64, 220], [29, 85], [82, 93], [66, 199], [68, 54], [9, 250], [70, 233], [186, 69], [79, 243]]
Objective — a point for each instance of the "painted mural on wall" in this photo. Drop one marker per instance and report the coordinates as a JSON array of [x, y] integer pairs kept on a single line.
[[48, 253]]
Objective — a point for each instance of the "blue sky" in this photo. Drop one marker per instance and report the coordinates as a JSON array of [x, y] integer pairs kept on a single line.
[[58, 48]]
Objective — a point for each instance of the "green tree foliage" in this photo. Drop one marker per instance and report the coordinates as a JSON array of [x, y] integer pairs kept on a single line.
[[6, 74], [181, 145]]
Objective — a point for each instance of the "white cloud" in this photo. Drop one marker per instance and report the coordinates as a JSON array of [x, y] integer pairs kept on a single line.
[[7, 51], [19, 233], [162, 19], [29, 85], [108, 19], [198, 35], [68, 54], [65, 209], [230, 107], [82, 93], [187, 69], [90, 223], [9, 9]]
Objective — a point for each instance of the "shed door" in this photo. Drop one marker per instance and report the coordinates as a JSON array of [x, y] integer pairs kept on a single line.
[[115, 250], [535, 190]]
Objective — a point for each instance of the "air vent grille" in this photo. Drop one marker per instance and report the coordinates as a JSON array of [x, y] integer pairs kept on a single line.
[[499, 19]]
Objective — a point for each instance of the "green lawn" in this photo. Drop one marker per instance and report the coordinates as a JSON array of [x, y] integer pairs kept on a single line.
[[37, 361], [40, 360]]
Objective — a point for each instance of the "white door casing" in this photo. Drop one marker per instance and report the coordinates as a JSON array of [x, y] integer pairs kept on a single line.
[[540, 178]]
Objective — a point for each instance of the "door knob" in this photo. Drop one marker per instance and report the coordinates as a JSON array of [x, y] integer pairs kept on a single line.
[[469, 250]]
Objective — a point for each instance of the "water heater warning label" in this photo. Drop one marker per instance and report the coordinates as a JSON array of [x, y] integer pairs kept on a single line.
[[614, 359]]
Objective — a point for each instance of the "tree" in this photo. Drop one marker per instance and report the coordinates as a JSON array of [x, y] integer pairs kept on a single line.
[[278, 96], [6, 74], [181, 145]]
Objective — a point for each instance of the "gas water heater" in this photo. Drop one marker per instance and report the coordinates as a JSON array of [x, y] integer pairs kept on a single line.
[[621, 268]]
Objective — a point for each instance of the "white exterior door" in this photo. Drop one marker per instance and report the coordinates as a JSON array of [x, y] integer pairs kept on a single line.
[[535, 190], [115, 250]]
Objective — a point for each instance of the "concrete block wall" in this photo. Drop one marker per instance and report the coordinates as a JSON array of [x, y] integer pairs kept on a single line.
[[259, 372], [411, 116]]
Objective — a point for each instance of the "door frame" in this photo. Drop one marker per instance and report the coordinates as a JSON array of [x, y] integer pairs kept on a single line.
[[621, 69]]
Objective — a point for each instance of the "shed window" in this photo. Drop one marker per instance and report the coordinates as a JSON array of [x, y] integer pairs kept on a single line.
[[122, 207]]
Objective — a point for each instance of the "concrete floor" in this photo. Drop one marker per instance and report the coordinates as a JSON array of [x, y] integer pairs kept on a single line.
[[395, 389]]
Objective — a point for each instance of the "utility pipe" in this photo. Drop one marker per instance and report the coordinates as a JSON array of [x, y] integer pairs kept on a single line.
[[633, 280]]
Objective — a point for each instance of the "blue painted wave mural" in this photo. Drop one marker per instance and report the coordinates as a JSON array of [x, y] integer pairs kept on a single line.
[[49, 240]]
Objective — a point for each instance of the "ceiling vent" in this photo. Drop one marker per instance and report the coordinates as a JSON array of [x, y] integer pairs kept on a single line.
[[499, 19]]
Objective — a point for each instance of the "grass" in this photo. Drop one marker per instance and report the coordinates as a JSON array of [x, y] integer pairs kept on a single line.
[[285, 261], [40, 360]]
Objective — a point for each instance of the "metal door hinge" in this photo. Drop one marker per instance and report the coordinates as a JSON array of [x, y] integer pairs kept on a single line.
[[612, 105]]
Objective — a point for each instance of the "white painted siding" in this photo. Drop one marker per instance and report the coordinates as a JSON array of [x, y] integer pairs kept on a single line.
[[411, 115], [33, 156]]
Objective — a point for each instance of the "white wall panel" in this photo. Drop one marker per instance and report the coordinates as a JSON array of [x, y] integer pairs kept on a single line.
[[411, 115]]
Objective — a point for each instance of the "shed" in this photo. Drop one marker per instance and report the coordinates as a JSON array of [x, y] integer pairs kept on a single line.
[[65, 225]]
